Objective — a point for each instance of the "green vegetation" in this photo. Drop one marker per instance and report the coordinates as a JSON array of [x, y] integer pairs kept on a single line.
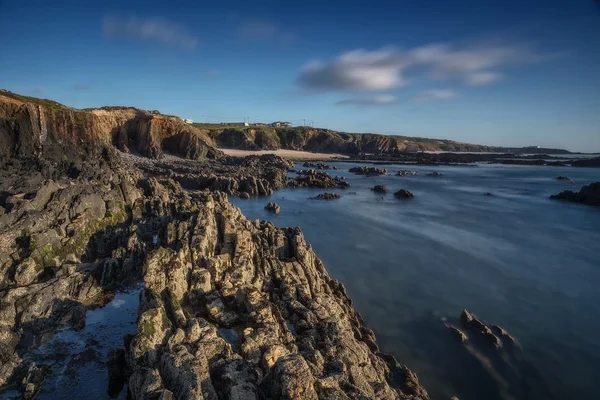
[[47, 104]]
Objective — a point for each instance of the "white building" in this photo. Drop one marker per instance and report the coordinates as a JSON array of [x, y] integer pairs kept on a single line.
[[188, 121]]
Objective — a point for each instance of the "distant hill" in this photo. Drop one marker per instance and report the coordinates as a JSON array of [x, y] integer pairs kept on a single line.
[[329, 141]]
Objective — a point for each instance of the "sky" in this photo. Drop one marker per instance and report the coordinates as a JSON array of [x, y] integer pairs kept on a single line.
[[510, 73]]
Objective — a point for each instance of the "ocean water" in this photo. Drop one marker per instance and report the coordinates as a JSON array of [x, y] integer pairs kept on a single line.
[[515, 259]]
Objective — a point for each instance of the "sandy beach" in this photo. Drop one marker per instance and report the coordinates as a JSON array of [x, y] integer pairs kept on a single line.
[[289, 154]]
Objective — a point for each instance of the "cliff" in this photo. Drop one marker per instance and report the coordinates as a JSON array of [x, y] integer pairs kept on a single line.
[[328, 141], [34, 129]]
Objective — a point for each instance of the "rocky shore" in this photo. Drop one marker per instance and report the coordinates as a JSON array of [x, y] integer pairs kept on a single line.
[[91, 201], [317, 179]]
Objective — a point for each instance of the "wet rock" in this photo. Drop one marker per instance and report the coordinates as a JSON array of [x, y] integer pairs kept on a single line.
[[488, 194], [434, 174], [475, 325], [407, 172], [317, 179], [326, 196], [589, 195], [563, 178], [244, 195], [273, 207], [404, 194], [33, 380], [319, 165], [458, 334], [379, 189], [369, 171]]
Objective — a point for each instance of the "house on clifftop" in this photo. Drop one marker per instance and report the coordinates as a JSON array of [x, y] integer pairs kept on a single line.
[[281, 124]]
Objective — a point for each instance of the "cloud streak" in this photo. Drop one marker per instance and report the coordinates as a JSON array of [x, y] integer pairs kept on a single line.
[[157, 30], [387, 68], [440, 94], [369, 101]]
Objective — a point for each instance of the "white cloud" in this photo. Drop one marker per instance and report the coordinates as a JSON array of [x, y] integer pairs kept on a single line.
[[369, 101], [357, 70], [386, 68], [149, 29], [440, 94]]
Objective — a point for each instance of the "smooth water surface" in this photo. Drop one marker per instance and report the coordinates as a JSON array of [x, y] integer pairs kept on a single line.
[[516, 259]]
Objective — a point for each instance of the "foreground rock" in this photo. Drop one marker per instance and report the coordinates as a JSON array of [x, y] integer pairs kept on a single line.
[[589, 195], [319, 165], [273, 207], [317, 179], [326, 196], [232, 309], [379, 189], [404, 194], [369, 171]]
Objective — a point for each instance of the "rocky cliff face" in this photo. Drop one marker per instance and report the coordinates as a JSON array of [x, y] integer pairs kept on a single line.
[[327, 141], [33, 129]]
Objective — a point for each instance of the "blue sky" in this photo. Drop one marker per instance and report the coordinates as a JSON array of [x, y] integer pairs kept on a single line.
[[491, 72]]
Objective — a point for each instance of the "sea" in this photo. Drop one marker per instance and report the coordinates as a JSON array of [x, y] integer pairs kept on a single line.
[[486, 238]]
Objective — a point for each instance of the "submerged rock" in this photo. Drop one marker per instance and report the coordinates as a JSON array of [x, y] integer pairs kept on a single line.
[[273, 207], [404, 194], [434, 173], [379, 189], [563, 178], [589, 195], [325, 196], [406, 172]]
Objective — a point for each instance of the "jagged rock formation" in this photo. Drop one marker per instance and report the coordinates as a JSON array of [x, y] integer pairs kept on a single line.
[[232, 309], [273, 207], [589, 194], [369, 171], [502, 357], [317, 179]]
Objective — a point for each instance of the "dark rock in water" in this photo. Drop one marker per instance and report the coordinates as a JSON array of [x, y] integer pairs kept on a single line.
[[244, 195], [488, 194], [379, 189], [326, 196], [457, 333], [368, 171], [317, 179], [589, 162], [589, 195], [404, 194], [434, 173], [319, 165], [563, 178], [273, 207], [471, 322], [407, 172]]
